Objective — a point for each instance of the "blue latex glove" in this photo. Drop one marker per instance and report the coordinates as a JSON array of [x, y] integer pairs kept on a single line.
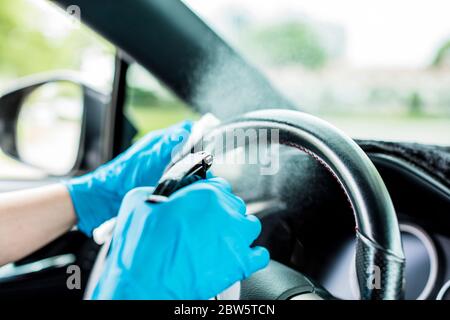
[[194, 246], [97, 196]]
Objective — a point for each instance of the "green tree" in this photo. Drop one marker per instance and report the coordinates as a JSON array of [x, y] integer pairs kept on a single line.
[[415, 104], [442, 55], [288, 43], [26, 49]]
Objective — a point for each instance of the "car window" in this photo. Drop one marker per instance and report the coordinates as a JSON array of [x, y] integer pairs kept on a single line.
[[38, 37], [376, 69], [149, 105]]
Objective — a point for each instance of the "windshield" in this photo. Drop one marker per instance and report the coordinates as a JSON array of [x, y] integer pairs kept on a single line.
[[375, 69]]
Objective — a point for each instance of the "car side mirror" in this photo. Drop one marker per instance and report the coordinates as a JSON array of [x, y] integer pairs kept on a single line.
[[44, 122]]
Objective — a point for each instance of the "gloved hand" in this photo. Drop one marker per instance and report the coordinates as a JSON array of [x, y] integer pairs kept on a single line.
[[97, 196], [194, 246]]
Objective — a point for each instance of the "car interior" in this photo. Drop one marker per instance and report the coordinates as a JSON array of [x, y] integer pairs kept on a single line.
[[334, 206]]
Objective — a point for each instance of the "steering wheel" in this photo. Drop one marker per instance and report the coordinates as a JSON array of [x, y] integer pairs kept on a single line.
[[379, 253]]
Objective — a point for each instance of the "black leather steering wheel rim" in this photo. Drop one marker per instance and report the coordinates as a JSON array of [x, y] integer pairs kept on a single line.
[[379, 249]]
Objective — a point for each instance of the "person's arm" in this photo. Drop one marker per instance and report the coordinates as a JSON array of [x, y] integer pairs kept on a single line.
[[30, 219]]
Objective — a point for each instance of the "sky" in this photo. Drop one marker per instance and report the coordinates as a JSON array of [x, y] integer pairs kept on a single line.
[[379, 33]]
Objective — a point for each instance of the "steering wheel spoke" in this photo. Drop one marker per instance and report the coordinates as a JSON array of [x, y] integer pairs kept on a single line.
[[279, 282]]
